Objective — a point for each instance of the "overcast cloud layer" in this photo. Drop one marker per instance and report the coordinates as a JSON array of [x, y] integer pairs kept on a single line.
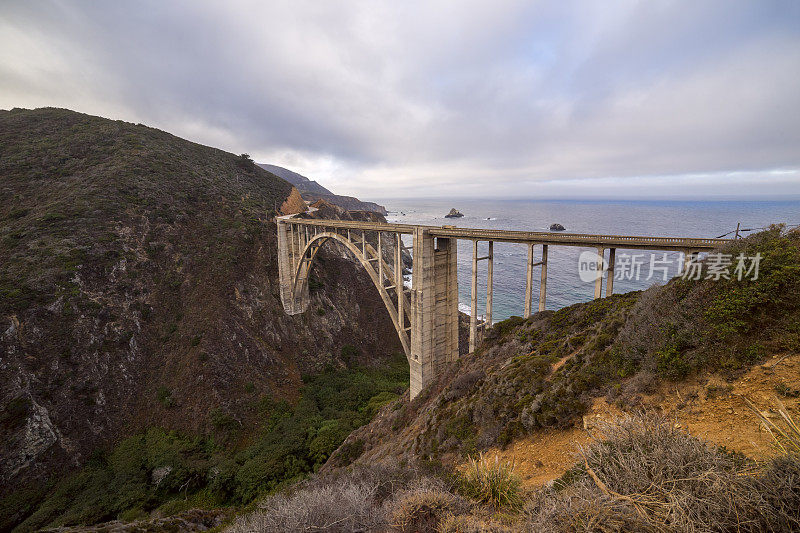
[[381, 99]]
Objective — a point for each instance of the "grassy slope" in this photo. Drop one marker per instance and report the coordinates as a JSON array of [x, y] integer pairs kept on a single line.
[[619, 347], [138, 288]]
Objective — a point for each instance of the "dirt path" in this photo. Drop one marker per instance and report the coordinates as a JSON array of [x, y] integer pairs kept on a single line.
[[558, 364]]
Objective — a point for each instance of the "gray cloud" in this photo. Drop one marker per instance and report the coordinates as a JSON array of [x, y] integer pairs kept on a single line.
[[510, 97]]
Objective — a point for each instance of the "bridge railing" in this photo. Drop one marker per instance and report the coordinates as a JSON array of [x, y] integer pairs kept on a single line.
[[537, 237], [354, 224], [579, 239]]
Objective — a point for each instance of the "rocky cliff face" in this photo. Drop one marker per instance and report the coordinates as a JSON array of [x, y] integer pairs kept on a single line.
[[138, 287], [347, 202], [298, 180]]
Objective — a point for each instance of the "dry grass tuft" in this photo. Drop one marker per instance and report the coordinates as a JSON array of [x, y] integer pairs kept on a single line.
[[365, 499], [583, 510], [647, 476], [492, 481], [785, 434], [470, 524], [339, 507], [423, 509]]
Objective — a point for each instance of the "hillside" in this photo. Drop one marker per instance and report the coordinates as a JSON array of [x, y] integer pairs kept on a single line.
[[138, 293], [313, 191]]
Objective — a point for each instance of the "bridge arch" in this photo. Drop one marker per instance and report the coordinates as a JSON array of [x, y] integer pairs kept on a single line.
[[367, 256], [425, 317]]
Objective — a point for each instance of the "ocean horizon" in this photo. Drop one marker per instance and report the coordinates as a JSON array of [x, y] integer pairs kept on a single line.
[[673, 218]]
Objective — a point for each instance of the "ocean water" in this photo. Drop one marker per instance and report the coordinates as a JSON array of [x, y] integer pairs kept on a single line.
[[564, 286]]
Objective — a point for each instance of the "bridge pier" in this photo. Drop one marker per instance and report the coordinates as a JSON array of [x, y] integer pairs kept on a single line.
[[473, 300], [689, 256], [489, 286], [543, 282], [598, 284], [294, 302], [612, 257], [474, 326], [434, 308], [529, 280]]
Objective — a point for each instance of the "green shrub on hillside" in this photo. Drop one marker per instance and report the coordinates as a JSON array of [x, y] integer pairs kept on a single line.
[[379, 400], [165, 398], [739, 306]]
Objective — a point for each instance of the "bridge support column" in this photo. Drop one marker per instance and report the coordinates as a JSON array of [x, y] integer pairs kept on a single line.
[[688, 257], [543, 283], [434, 308], [489, 287], [399, 284], [528, 282], [293, 304], [473, 299], [598, 284], [612, 253]]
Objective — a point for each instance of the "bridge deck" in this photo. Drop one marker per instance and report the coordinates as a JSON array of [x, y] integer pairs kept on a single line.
[[535, 237]]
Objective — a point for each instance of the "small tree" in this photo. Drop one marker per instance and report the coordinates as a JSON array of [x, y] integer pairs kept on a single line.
[[245, 162]]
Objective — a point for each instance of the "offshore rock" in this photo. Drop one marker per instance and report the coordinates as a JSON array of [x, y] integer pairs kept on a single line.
[[454, 213]]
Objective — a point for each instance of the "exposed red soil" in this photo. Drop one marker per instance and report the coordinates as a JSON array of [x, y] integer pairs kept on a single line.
[[707, 407]]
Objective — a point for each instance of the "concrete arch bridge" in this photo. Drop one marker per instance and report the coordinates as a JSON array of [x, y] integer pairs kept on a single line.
[[425, 315]]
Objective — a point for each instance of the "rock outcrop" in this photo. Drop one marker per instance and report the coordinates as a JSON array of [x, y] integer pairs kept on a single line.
[[294, 203], [454, 213]]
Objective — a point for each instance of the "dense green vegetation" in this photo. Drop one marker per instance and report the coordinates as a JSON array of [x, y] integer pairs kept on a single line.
[[172, 472]]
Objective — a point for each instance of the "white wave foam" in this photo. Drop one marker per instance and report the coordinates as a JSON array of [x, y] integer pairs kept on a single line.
[[464, 308]]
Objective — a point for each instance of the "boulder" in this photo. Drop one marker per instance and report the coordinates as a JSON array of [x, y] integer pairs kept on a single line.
[[557, 227]]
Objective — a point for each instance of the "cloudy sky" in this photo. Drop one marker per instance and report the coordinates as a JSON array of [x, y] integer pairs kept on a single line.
[[614, 98]]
